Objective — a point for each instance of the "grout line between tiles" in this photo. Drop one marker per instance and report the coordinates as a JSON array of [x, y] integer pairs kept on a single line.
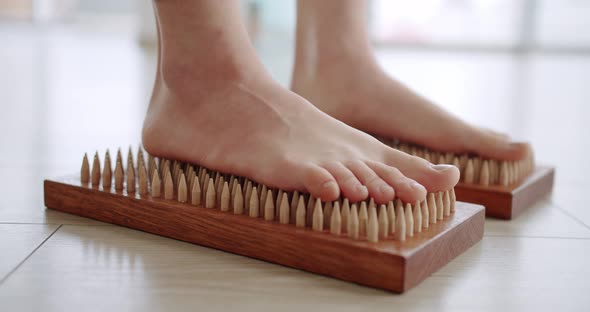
[[572, 216], [28, 256]]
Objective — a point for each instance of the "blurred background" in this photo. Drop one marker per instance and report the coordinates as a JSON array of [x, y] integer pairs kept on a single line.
[[76, 75], [464, 24]]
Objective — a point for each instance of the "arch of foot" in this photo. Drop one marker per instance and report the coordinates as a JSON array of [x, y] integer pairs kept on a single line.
[[164, 179]]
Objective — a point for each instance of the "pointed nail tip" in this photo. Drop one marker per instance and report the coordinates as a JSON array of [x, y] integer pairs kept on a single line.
[[330, 191], [443, 167], [386, 190], [362, 192]]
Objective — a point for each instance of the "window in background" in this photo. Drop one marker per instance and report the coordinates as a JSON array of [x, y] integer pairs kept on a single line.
[[563, 24], [65, 10], [481, 24], [484, 24], [446, 22]]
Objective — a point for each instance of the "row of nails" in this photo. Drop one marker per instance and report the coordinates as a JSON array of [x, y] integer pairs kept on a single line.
[[474, 169], [187, 183]]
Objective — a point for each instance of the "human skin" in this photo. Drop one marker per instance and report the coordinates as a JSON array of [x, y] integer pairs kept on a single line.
[[215, 105], [336, 70]]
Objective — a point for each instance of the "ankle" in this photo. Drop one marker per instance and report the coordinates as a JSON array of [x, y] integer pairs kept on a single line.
[[325, 73], [211, 69], [213, 58], [321, 63], [330, 35]]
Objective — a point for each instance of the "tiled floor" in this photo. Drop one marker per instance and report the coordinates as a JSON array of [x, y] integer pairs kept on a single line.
[[69, 90]]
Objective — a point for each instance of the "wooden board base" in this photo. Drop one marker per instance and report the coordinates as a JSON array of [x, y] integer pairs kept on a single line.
[[505, 202], [388, 264]]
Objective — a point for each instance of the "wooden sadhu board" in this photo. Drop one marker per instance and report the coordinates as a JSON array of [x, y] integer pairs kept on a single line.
[[387, 264], [506, 202], [505, 188]]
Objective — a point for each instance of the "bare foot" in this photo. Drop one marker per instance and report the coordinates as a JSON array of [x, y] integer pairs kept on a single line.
[[364, 97], [336, 70], [214, 105], [262, 131]]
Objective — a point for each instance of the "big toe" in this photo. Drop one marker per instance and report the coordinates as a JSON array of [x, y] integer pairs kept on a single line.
[[490, 144], [320, 183], [434, 178]]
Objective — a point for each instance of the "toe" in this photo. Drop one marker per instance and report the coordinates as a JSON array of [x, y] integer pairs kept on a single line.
[[490, 144], [406, 189], [434, 178], [349, 184], [380, 190], [320, 183]]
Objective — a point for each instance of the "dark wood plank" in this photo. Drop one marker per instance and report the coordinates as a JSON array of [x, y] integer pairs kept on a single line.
[[388, 264], [506, 202]]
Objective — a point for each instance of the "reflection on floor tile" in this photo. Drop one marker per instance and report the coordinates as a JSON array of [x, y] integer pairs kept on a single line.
[[136, 270], [514, 274], [544, 219]]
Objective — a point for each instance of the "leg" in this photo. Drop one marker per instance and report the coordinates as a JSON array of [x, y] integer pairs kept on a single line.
[[336, 70], [214, 104]]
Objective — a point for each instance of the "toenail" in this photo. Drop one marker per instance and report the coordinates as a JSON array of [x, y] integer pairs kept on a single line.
[[384, 189], [329, 184], [442, 167], [514, 146], [417, 186], [361, 188]]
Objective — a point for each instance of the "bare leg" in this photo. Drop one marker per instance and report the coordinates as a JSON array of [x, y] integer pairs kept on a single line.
[[214, 104], [336, 70]]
